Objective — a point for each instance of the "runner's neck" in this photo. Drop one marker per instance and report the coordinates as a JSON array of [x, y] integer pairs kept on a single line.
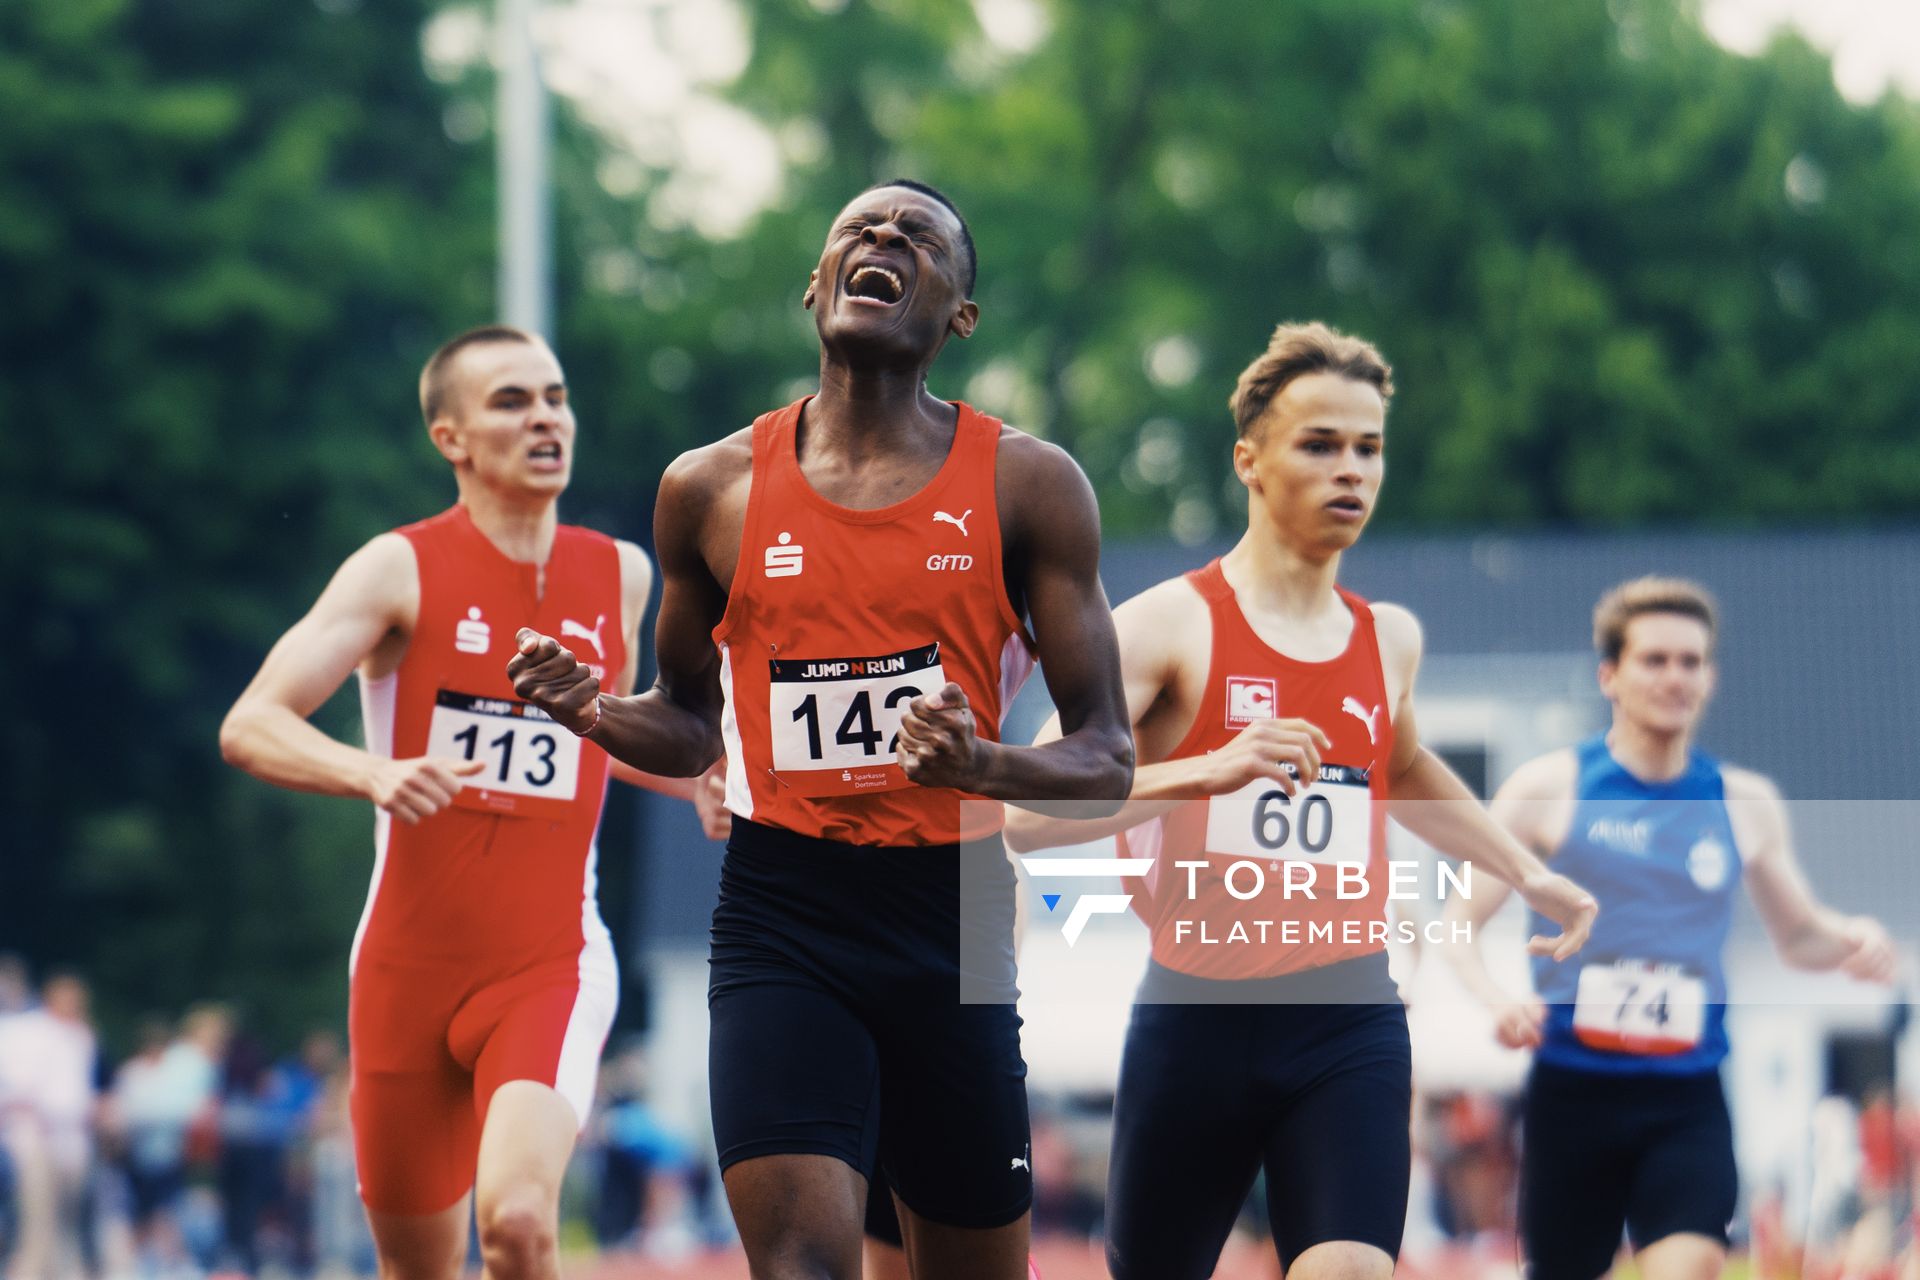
[[1276, 582], [859, 414], [523, 528], [1648, 756]]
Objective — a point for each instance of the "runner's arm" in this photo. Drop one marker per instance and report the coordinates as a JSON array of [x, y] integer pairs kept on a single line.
[[1524, 806], [673, 729], [373, 595], [636, 591], [1807, 933], [1428, 799], [1149, 667], [1072, 624]]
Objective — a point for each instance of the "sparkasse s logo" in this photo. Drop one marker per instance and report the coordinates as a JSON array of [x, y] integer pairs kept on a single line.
[[1250, 698], [783, 561], [471, 634]]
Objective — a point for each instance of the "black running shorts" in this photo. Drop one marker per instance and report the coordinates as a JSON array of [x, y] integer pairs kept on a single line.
[[1648, 1153], [1317, 1094], [838, 1026]]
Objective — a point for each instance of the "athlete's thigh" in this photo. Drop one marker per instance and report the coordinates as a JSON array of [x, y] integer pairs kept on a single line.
[[546, 1024], [954, 1134], [938, 1251], [1686, 1181], [1575, 1161], [1186, 1141], [525, 1144], [798, 1214], [430, 1246], [1682, 1256], [1339, 1154], [791, 1071], [415, 1133]]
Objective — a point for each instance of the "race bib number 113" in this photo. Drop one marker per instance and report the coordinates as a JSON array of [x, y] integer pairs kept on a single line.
[[529, 759]]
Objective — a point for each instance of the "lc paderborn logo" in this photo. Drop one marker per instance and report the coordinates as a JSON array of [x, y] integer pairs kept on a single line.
[[783, 561], [1250, 698]]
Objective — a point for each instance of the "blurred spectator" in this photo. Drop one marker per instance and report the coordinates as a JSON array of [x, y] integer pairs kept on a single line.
[[641, 1166], [1067, 1199], [162, 1096], [46, 1117], [342, 1243], [16, 987]]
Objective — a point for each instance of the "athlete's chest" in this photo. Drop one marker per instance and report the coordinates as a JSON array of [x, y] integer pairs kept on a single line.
[[906, 554], [468, 620], [1665, 849]]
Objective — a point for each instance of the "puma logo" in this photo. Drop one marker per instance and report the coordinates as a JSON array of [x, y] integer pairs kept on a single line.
[[568, 627], [1019, 1162], [959, 522], [1353, 708]]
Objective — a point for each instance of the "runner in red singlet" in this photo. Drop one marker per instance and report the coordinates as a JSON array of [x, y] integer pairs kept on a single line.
[[1274, 717], [855, 586], [482, 978]]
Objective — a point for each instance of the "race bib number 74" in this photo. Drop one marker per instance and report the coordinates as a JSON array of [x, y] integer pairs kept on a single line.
[[1636, 1006], [836, 721]]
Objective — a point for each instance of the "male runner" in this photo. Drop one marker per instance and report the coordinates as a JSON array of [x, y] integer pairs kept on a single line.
[[482, 979], [1625, 1120], [852, 587], [1273, 713]]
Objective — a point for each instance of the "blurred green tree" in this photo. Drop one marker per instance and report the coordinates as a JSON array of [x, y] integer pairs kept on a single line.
[[229, 231]]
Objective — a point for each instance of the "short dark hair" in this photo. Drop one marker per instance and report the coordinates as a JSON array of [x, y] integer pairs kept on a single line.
[[1630, 600], [966, 233], [433, 378], [1296, 350]]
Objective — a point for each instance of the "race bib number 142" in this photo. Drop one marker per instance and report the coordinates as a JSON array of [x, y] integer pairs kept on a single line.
[[836, 721]]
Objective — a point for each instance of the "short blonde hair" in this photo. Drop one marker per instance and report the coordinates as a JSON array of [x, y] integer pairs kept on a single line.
[[1650, 594], [1299, 349], [434, 378]]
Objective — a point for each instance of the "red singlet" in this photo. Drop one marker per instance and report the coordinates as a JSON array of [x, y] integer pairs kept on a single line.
[[838, 618], [1199, 927], [481, 956]]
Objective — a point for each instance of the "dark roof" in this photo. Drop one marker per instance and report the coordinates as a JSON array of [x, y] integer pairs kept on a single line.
[[1819, 682]]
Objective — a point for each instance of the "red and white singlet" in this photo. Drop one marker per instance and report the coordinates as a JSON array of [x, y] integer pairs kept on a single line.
[[507, 870], [838, 618], [1199, 926]]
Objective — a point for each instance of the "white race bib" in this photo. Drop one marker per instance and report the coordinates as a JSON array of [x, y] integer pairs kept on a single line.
[[1330, 822], [526, 753], [1636, 1006], [836, 721]]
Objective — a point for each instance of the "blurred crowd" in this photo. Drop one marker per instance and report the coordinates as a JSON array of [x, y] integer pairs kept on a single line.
[[198, 1154]]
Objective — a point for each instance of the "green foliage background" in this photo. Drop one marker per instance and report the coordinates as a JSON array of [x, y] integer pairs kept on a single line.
[[1624, 276]]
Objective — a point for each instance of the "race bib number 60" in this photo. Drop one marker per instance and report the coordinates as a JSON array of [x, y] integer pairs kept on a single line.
[[528, 758], [1330, 822], [836, 721]]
